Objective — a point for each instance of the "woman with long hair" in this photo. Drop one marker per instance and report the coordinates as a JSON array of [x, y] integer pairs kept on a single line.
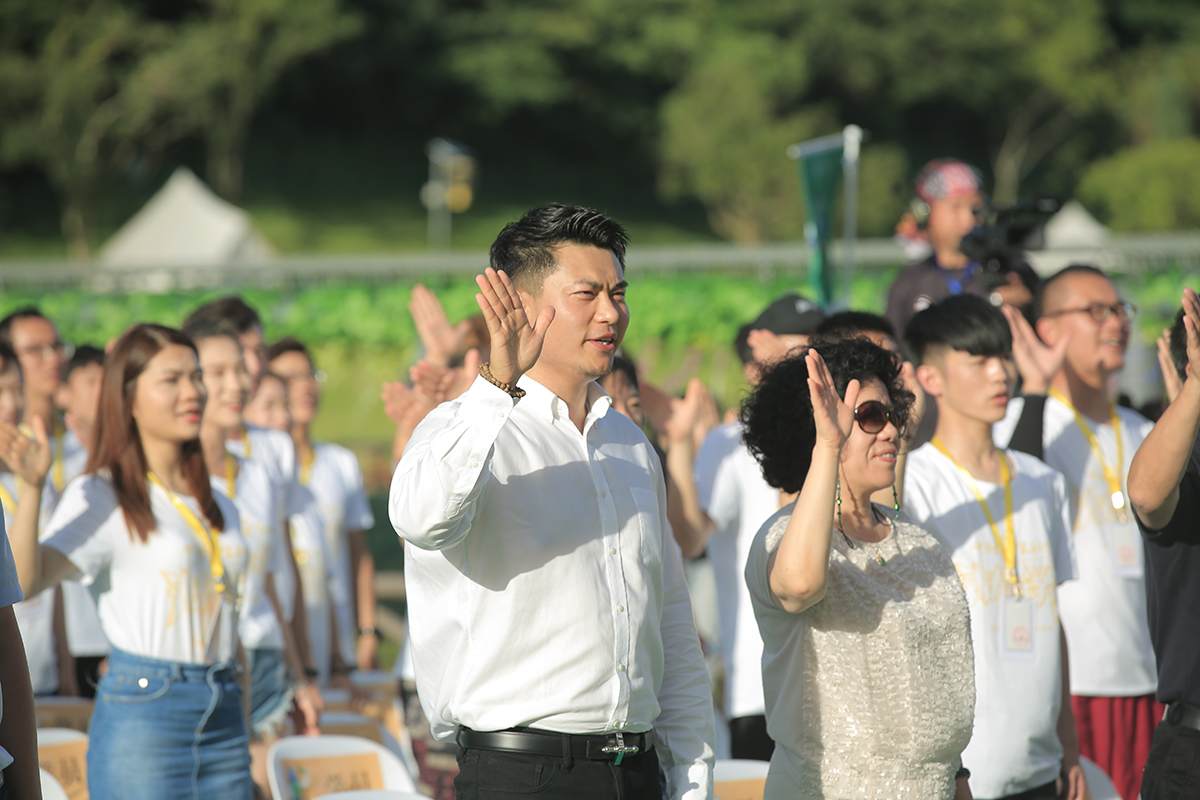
[[868, 671], [168, 721]]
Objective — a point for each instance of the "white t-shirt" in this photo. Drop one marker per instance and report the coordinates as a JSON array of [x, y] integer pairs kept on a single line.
[[312, 560], [1103, 611], [85, 636], [161, 602], [278, 454], [262, 532], [1015, 744], [337, 484], [10, 594], [735, 496]]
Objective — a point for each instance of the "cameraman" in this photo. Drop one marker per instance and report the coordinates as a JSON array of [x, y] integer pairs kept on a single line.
[[948, 203]]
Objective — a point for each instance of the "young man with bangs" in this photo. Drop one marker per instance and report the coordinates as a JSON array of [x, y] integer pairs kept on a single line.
[[1005, 519], [552, 632]]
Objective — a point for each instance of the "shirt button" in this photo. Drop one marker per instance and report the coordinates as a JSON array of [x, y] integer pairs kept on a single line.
[[603, 493], [142, 682], [621, 667], [620, 608], [612, 551], [474, 465], [500, 414]]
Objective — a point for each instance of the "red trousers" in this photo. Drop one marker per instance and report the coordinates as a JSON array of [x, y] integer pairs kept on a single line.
[[1115, 732]]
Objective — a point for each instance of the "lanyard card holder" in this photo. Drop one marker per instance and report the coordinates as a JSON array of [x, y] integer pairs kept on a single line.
[[1017, 627], [1125, 549]]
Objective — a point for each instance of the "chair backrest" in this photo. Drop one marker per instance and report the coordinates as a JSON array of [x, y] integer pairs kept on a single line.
[[740, 779], [52, 789], [304, 767], [63, 712], [348, 723], [62, 752], [369, 794], [1100, 786]]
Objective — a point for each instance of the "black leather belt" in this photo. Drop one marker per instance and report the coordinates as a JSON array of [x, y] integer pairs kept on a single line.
[[599, 747], [1184, 714]]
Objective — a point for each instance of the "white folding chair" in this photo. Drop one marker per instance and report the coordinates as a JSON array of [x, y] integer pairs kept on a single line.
[[51, 788], [739, 778], [375, 794], [395, 775], [1099, 785], [63, 750]]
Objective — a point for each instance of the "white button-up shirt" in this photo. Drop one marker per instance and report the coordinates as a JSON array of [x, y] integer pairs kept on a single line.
[[544, 586]]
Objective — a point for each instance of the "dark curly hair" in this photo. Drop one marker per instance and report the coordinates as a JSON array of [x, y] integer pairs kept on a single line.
[[778, 416]]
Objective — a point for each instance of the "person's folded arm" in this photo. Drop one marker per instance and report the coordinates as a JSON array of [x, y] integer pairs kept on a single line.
[[446, 467]]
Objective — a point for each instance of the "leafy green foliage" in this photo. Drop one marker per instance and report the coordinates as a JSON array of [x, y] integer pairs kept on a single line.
[[1147, 188]]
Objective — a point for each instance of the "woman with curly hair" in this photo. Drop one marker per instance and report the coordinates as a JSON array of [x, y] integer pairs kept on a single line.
[[867, 660]]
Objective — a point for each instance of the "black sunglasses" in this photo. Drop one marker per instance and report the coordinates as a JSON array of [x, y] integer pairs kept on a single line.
[[873, 416]]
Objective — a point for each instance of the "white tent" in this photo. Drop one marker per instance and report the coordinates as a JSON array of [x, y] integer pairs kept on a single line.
[[1073, 236], [185, 224]]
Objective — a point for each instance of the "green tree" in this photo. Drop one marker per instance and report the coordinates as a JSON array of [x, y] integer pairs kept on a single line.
[[1151, 187], [222, 62], [65, 69]]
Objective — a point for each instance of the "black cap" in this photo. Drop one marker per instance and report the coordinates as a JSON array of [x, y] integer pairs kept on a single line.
[[790, 314]]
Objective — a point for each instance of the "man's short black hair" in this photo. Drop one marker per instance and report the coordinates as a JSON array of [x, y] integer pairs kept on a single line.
[[85, 355], [778, 414], [8, 359], [625, 366], [845, 324], [1065, 272], [25, 312], [202, 328], [1177, 340], [231, 309], [960, 322], [288, 344], [525, 249]]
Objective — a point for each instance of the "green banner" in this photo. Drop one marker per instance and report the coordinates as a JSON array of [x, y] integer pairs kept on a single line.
[[820, 175]]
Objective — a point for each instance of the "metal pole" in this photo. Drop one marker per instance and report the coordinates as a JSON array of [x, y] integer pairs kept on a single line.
[[852, 136]]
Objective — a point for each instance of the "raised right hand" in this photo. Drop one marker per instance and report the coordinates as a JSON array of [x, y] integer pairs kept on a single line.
[[1037, 363], [516, 344], [29, 458], [833, 416]]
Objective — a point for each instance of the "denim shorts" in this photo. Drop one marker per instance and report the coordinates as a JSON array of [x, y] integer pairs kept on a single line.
[[270, 692], [164, 730]]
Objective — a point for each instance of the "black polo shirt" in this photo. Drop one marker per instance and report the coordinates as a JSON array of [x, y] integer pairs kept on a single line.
[[1173, 593]]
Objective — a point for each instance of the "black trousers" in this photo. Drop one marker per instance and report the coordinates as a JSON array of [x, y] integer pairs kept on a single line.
[[748, 738], [503, 775], [1173, 768]]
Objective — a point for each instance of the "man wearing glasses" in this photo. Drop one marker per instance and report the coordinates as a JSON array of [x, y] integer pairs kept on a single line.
[[1070, 421]]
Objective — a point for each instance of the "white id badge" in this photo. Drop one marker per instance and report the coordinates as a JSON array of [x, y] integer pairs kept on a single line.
[[1016, 629], [1125, 548]]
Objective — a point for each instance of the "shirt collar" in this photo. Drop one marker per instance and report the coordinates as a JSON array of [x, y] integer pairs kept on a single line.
[[550, 406]]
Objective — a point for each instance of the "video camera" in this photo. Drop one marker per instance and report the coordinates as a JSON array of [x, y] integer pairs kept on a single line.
[[1000, 244]]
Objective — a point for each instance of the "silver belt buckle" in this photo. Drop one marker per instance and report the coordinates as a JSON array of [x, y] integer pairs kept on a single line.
[[620, 749]]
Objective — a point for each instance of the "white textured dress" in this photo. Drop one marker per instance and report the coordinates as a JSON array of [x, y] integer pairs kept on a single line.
[[870, 693]]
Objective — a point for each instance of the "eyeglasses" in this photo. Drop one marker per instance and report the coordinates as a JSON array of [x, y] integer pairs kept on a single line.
[[316, 376], [44, 352], [1100, 312], [873, 416]]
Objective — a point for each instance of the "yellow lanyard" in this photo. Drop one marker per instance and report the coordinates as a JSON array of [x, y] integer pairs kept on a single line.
[[231, 475], [306, 465], [206, 534], [245, 437], [1007, 545], [6, 499], [1111, 477]]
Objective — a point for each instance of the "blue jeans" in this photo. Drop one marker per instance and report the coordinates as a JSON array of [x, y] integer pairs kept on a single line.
[[270, 692], [163, 730]]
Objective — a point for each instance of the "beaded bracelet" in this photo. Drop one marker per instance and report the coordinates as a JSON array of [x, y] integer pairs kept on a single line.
[[485, 372]]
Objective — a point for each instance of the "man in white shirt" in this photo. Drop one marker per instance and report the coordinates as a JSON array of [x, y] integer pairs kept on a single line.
[[551, 626], [737, 501], [1005, 519], [1079, 431]]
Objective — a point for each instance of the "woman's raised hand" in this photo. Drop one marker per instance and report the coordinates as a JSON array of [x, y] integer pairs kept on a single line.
[[516, 343], [29, 457], [834, 417]]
